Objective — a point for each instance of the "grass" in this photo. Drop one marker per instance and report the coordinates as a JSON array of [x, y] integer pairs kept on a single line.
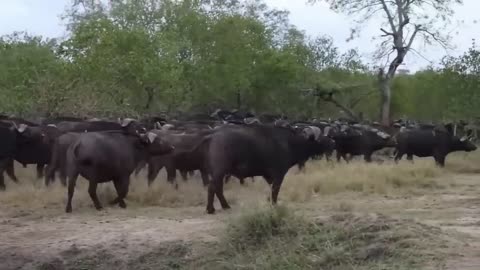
[[320, 178], [275, 238]]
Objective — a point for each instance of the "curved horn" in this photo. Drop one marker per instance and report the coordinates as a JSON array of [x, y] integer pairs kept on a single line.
[[151, 137], [22, 128], [126, 122], [326, 130]]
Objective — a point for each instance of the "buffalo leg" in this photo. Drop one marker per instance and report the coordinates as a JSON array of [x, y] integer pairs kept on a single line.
[[40, 172], [4, 164], [439, 160], [301, 166], [2, 182], [152, 172], [140, 166], [211, 193], [205, 179], [339, 156], [10, 169], [172, 175], [92, 191], [398, 155], [72, 180], [49, 174], [367, 157], [277, 183], [122, 190], [220, 196], [184, 175], [63, 176], [227, 178], [410, 157], [242, 181], [191, 173], [116, 184]]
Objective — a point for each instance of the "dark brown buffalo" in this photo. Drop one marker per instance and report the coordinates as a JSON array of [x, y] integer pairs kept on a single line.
[[436, 142], [109, 156], [58, 157], [184, 158], [24, 144], [360, 141], [257, 150], [59, 143]]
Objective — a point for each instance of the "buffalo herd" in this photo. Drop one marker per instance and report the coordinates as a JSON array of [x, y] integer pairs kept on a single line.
[[218, 145]]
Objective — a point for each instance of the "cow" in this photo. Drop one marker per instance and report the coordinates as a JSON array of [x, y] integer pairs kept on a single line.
[[436, 142], [109, 156], [256, 150]]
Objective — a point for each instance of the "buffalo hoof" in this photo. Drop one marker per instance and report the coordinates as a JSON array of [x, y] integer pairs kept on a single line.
[[122, 204], [68, 209], [98, 207], [210, 210], [226, 207]]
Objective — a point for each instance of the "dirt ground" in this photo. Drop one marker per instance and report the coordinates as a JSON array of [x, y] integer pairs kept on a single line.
[[156, 237]]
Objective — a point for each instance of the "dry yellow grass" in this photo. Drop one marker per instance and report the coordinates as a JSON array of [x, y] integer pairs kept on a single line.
[[320, 178]]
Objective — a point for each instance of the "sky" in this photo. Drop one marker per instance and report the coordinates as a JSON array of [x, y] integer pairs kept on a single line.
[[42, 17]]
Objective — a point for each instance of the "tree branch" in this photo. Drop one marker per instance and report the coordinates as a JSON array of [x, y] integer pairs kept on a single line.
[[389, 16], [386, 32], [329, 98]]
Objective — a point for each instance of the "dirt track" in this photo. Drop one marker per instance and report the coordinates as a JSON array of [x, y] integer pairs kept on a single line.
[[157, 237]]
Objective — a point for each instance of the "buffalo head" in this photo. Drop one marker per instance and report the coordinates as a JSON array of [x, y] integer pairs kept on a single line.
[[155, 145]]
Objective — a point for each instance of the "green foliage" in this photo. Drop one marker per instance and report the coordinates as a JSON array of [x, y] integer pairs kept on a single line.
[[137, 57], [447, 93]]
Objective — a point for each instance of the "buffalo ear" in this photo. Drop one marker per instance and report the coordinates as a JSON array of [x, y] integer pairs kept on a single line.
[[326, 131], [449, 128]]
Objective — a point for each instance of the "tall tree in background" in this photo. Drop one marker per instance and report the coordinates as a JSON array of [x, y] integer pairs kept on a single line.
[[405, 22]]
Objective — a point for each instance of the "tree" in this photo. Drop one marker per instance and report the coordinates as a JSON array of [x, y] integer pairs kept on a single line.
[[405, 21]]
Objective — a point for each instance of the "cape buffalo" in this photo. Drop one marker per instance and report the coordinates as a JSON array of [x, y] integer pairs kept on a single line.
[[59, 143], [364, 142], [247, 151], [436, 143], [109, 156], [183, 158]]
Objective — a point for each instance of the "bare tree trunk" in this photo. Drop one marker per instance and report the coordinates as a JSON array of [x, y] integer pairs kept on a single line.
[[150, 93], [386, 94]]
